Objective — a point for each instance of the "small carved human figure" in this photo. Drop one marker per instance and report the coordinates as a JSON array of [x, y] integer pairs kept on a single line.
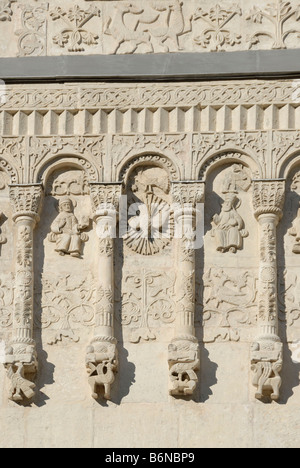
[[267, 359], [228, 226], [295, 232], [184, 361], [66, 230]]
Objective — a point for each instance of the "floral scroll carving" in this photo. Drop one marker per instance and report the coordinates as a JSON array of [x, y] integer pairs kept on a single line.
[[32, 36], [217, 34], [5, 10], [147, 296], [66, 303], [75, 35], [276, 14]]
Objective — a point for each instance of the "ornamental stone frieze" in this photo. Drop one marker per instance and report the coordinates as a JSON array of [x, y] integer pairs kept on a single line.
[[118, 27]]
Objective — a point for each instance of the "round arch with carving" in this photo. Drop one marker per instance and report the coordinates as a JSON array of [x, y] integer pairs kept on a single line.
[[148, 159], [226, 157], [289, 164], [12, 173], [68, 162]]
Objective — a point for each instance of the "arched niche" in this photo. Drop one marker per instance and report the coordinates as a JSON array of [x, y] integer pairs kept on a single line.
[[65, 265], [227, 267], [288, 248], [219, 159], [145, 276], [67, 160]]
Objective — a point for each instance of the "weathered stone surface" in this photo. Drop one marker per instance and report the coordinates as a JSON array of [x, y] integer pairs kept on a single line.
[[149, 235]]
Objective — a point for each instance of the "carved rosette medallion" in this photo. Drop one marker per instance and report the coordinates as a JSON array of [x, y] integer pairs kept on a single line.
[[150, 221]]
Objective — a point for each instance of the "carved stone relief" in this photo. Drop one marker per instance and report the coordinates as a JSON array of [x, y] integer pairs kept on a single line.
[[147, 301], [229, 305], [5, 10], [229, 227], [66, 303], [75, 35], [158, 26], [149, 216], [66, 230], [33, 34]]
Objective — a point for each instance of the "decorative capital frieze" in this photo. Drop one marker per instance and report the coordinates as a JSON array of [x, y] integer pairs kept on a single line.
[[105, 197], [188, 193], [26, 200], [268, 197]]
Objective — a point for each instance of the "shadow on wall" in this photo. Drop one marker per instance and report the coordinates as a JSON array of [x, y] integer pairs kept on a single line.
[[288, 314]]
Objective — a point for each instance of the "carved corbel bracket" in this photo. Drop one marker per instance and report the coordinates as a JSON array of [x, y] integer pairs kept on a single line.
[[102, 365], [184, 362]]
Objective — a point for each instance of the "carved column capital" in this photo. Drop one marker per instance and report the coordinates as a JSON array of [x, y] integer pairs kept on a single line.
[[268, 197], [188, 193], [105, 198], [26, 200]]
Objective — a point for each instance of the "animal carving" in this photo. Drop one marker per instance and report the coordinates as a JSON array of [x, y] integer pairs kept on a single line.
[[117, 28], [184, 362], [102, 364], [103, 375], [171, 28], [157, 26], [266, 365], [20, 387]]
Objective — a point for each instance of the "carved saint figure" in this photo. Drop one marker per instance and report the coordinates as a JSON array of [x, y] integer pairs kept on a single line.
[[295, 232], [228, 226], [66, 230]]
